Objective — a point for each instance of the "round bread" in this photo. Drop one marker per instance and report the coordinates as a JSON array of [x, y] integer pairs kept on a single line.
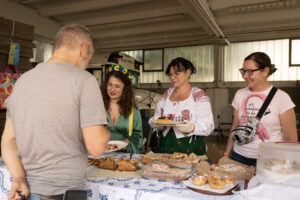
[[213, 178], [199, 180], [229, 180], [217, 184], [202, 174]]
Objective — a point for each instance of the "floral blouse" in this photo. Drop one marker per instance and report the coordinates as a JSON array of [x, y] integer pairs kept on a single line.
[[196, 109]]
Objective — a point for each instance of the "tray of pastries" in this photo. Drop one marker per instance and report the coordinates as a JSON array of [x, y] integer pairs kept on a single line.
[[110, 163], [161, 170], [176, 159], [205, 183]]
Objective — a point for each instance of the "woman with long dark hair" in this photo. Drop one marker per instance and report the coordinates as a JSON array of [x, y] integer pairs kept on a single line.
[[118, 97]]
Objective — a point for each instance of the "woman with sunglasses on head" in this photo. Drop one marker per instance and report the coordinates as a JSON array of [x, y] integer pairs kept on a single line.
[[278, 122], [118, 97], [187, 104]]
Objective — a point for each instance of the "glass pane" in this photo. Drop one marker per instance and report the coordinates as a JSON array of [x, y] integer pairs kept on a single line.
[[277, 50], [153, 60], [295, 49]]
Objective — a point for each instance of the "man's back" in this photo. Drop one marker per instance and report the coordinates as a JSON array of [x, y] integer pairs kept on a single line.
[[48, 107]]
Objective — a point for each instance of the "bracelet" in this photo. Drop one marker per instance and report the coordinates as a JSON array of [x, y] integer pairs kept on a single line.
[[226, 154]]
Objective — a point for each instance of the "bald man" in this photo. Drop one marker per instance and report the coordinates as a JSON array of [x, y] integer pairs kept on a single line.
[[55, 116]]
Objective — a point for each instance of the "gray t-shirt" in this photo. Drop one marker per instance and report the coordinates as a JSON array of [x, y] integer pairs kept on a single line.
[[48, 106]]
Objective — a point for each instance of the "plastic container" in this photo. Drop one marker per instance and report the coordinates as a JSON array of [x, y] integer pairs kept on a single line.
[[160, 170], [279, 162]]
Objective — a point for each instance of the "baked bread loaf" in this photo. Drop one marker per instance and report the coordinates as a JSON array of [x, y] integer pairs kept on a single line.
[[200, 180], [127, 165], [107, 163], [231, 168], [228, 180], [217, 184]]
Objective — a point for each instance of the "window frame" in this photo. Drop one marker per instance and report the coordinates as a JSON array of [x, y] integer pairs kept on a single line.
[[290, 53]]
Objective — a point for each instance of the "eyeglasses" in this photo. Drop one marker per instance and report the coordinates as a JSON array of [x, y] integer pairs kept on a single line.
[[249, 72], [175, 74]]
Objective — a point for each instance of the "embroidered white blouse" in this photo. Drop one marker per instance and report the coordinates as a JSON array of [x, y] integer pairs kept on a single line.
[[196, 109]]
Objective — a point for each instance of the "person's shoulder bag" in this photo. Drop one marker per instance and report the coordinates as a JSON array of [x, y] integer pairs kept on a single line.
[[245, 133]]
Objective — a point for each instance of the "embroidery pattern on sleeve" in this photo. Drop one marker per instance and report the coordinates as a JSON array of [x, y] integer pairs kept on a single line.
[[199, 95]]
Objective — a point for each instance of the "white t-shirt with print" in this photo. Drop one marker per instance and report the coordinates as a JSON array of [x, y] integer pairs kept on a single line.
[[248, 104], [196, 109]]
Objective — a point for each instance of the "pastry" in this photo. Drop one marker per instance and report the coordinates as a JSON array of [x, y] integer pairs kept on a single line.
[[112, 147], [159, 167], [127, 165], [213, 178], [179, 156], [205, 174], [91, 161], [164, 120], [200, 180], [107, 163], [228, 180], [217, 184]]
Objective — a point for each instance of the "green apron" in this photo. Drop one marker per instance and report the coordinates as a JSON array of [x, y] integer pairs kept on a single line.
[[170, 144]]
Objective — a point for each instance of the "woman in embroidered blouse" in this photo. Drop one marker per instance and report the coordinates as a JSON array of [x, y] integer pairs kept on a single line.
[[183, 103], [118, 97], [278, 122]]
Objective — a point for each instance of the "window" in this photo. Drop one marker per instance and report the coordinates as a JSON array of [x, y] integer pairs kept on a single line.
[[294, 59], [278, 50], [201, 56], [153, 60]]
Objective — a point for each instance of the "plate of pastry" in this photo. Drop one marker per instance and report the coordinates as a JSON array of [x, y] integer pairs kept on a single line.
[[115, 145], [214, 185], [165, 121]]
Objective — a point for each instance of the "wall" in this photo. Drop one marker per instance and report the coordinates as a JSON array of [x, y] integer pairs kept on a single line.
[[43, 27]]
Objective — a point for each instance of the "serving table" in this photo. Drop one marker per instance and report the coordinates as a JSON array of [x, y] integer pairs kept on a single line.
[[127, 188]]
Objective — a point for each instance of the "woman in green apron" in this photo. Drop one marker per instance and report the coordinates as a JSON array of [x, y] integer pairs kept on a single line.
[[188, 107], [124, 118]]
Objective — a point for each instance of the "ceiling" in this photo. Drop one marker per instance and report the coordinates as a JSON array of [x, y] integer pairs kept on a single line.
[[143, 24]]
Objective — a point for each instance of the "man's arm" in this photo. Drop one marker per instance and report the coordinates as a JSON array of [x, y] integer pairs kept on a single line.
[[96, 139], [14, 165]]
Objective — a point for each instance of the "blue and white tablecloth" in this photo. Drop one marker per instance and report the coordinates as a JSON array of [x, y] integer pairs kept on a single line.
[[127, 188]]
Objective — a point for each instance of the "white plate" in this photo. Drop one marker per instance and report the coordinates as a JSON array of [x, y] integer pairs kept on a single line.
[[189, 183], [173, 123], [120, 143]]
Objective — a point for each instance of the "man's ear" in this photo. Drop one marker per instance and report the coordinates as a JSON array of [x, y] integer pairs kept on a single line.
[[84, 49]]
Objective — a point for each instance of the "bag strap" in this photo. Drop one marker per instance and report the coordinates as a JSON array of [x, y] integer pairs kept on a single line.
[[266, 103], [131, 121]]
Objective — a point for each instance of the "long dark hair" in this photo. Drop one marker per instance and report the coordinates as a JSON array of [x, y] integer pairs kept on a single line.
[[262, 61], [127, 98]]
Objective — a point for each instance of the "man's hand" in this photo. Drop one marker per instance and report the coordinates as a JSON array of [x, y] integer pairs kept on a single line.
[[18, 189], [187, 127]]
